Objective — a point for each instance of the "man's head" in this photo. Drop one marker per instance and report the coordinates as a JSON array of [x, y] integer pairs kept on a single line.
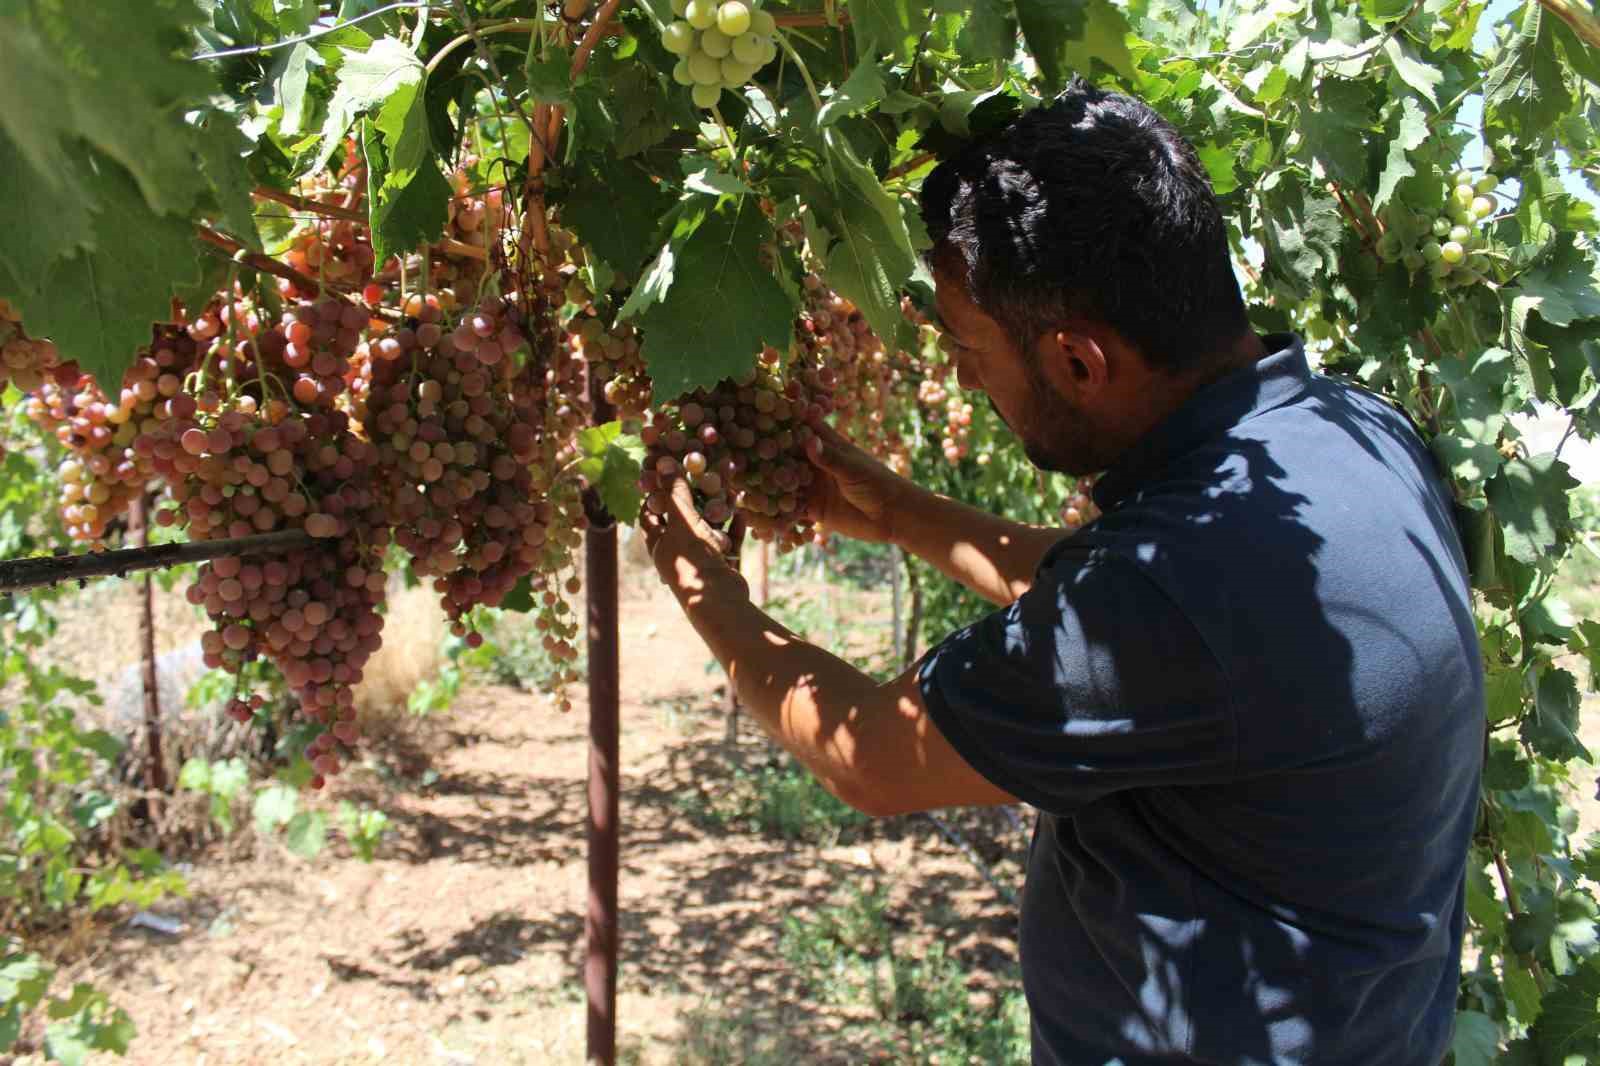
[[1083, 274]]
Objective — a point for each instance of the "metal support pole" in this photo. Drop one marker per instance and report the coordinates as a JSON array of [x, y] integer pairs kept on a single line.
[[600, 963], [155, 775]]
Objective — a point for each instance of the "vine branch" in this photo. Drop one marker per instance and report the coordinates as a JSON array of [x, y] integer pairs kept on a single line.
[[53, 569], [256, 261], [1583, 23], [310, 206]]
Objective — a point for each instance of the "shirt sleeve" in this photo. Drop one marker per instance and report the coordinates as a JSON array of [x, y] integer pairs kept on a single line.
[[1091, 682]]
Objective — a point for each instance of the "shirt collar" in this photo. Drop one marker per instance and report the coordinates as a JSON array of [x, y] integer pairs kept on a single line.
[[1271, 382]]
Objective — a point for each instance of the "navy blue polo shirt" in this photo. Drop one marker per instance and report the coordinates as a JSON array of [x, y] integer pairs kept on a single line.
[[1248, 704]]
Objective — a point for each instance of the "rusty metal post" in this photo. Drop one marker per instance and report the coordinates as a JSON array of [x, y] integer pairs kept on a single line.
[[600, 962], [155, 772]]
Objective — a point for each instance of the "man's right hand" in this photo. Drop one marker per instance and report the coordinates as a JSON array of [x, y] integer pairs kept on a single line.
[[853, 494]]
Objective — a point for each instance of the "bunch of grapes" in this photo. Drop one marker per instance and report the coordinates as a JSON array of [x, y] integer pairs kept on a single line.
[[935, 394], [721, 46], [742, 445], [314, 611], [27, 362], [1451, 244], [1080, 509], [336, 251]]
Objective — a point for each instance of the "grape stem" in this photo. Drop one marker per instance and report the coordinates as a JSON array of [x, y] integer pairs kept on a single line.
[[256, 261], [1584, 24], [813, 18], [811, 86], [53, 569]]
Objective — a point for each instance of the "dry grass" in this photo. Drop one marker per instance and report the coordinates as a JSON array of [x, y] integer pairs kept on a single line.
[[413, 631]]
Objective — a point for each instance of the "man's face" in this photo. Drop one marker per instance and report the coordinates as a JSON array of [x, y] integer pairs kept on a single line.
[[1056, 434]]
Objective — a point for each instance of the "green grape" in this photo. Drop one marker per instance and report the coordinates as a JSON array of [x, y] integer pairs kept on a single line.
[[1461, 216], [717, 44], [701, 14], [735, 73], [733, 17], [763, 23], [1461, 234], [706, 95], [749, 47], [1430, 251], [678, 38], [1452, 252], [770, 52], [1388, 247], [1413, 260], [680, 73], [1464, 193], [1439, 269], [1441, 227], [705, 70], [1461, 177], [1478, 261], [1483, 206], [1487, 184]]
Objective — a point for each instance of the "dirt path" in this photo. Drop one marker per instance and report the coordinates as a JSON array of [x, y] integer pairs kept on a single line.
[[463, 942]]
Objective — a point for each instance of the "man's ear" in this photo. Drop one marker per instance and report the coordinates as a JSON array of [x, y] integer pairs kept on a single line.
[[1073, 361]]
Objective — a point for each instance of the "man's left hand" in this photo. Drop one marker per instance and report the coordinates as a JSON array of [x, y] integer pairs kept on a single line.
[[689, 554]]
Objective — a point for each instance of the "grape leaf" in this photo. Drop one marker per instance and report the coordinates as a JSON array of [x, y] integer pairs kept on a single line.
[[1568, 1028], [1335, 131], [989, 32], [24, 200], [722, 308], [887, 26], [1467, 460], [1218, 161], [402, 119], [406, 217], [868, 256], [1529, 497], [112, 75], [1477, 1036], [307, 833], [99, 304], [366, 80], [1410, 133], [292, 75], [1505, 770], [1422, 77], [1301, 231], [273, 807], [222, 151], [1066, 36], [1552, 728], [1477, 386], [611, 463], [709, 180], [658, 275], [863, 88], [614, 207], [1563, 287], [1526, 89]]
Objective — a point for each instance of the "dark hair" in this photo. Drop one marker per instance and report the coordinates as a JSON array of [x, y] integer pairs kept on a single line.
[[1092, 206]]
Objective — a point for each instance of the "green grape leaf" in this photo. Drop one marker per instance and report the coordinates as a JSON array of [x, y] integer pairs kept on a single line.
[[1335, 131], [1423, 77], [1564, 287], [367, 79], [1411, 132], [1529, 497], [863, 88], [611, 464], [1383, 11], [658, 276], [1218, 161], [1526, 89], [868, 256], [307, 834], [405, 216], [1585, 641], [402, 119], [24, 200], [613, 207], [291, 78], [222, 150], [1552, 728], [1067, 36], [99, 304], [273, 807], [887, 27], [1568, 1028], [710, 181], [723, 306], [549, 80], [989, 33], [1505, 769], [1467, 460], [520, 598], [113, 76], [1301, 231], [1503, 694], [1477, 1036], [1477, 386], [1482, 905]]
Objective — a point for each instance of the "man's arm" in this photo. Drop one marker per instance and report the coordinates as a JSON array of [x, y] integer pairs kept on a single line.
[[856, 495], [873, 745]]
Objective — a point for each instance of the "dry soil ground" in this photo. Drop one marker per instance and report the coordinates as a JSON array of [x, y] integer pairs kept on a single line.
[[463, 942]]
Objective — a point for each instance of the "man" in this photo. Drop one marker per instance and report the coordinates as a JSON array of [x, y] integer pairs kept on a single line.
[[1247, 701]]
